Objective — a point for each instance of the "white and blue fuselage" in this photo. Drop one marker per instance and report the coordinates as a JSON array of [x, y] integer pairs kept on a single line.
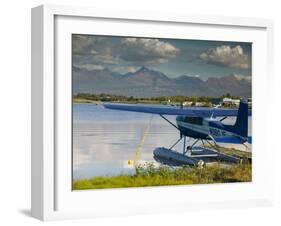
[[206, 128]]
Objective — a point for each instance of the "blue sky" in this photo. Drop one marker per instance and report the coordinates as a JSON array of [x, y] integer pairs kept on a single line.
[[174, 57]]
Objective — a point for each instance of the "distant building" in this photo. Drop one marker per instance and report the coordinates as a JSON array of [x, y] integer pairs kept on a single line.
[[187, 103], [229, 102], [200, 104], [250, 102]]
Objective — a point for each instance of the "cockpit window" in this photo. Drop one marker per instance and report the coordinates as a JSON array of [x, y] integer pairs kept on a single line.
[[194, 120]]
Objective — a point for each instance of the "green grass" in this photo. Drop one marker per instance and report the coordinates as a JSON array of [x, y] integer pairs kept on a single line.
[[235, 152], [152, 176]]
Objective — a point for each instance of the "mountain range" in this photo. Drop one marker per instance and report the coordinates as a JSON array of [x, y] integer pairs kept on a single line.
[[147, 83]]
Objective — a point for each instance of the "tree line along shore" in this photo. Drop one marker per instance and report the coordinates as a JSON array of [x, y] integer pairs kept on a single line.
[[165, 100]]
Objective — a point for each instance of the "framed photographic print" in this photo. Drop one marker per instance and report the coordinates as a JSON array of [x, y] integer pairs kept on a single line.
[[134, 112]]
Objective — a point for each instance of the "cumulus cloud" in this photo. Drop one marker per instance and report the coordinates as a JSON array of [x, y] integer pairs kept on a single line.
[[79, 44], [114, 52], [87, 44], [146, 50], [226, 56], [88, 49]]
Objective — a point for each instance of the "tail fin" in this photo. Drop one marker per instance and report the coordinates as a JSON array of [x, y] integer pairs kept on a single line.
[[241, 124]]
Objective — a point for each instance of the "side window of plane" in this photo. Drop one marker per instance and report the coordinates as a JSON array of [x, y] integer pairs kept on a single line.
[[194, 120]]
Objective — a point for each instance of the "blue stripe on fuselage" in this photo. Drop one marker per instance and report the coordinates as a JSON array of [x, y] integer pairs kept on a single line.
[[219, 125]]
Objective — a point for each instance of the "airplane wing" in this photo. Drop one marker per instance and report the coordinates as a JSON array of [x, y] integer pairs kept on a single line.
[[163, 110]]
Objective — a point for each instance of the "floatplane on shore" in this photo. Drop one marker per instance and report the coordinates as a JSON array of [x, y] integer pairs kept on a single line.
[[200, 124]]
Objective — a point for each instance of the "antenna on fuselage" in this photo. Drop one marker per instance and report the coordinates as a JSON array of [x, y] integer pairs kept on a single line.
[[212, 115]]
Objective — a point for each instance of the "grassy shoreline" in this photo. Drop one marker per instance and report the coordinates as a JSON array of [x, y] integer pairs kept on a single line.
[[162, 176]]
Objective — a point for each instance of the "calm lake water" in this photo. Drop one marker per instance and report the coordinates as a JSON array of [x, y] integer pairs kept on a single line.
[[104, 140]]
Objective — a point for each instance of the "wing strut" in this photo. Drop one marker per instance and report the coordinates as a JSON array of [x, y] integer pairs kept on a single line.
[[175, 143], [169, 121]]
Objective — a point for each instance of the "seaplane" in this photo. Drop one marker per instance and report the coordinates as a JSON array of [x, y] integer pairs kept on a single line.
[[199, 124]]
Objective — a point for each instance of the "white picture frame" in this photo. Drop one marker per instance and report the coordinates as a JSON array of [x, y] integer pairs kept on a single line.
[[52, 197]]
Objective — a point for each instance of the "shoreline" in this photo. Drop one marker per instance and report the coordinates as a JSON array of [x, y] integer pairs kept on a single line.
[[165, 176], [86, 101]]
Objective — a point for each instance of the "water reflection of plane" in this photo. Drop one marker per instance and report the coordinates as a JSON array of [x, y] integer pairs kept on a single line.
[[201, 124]]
